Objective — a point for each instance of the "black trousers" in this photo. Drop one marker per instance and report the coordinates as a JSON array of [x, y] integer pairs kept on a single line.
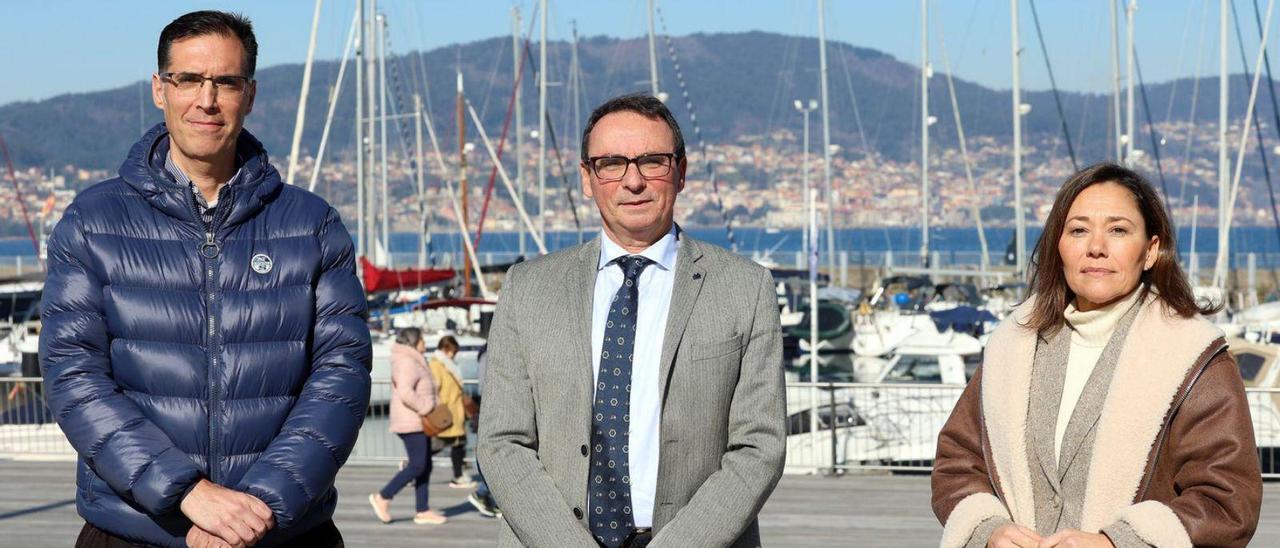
[[325, 535]]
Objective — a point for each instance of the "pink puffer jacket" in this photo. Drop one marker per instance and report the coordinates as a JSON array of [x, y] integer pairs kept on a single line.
[[413, 389]]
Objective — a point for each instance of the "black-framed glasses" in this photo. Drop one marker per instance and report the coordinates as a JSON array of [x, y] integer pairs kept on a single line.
[[614, 168], [190, 83]]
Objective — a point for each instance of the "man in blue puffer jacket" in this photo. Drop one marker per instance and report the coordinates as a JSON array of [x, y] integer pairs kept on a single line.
[[204, 345]]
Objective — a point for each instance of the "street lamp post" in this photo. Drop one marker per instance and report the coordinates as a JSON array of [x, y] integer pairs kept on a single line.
[[811, 251], [811, 243]]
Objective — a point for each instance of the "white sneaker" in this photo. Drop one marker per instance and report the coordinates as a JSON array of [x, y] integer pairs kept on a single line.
[[482, 507]]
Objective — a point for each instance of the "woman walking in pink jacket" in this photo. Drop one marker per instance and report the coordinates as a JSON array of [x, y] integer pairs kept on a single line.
[[413, 395]]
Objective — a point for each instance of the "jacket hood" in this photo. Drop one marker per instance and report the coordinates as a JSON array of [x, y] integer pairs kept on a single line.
[[143, 169]]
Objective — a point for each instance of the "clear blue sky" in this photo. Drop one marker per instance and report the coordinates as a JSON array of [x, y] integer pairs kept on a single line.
[[60, 46]]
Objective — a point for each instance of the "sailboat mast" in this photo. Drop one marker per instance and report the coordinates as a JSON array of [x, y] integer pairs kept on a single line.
[[924, 132], [385, 197], [575, 81], [302, 96], [1020, 221], [826, 135], [1224, 163], [418, 173], [542, 120], [1131, 133], [516, 51], [371, 118], [1115, 82], [653, 55], [462, 179], [361, 241]]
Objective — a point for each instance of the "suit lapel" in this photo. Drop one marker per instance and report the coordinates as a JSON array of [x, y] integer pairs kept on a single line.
[[582, 275], [1049, 370], [684, 294]]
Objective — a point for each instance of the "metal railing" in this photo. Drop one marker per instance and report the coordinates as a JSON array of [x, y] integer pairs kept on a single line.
[[831, 427]]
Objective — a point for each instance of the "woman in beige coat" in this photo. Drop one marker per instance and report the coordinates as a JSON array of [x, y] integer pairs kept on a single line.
[[413, 395], [1107, 411]]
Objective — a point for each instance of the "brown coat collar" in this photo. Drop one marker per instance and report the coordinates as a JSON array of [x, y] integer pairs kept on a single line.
[[1156, 358]]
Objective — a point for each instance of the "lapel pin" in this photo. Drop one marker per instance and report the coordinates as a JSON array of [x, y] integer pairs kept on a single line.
[[697, 275]]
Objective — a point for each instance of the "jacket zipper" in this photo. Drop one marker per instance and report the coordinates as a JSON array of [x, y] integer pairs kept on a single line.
[[1164, 431], [211, 252]]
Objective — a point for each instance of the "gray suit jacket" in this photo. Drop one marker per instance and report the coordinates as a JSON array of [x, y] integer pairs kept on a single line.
[[723, 402]]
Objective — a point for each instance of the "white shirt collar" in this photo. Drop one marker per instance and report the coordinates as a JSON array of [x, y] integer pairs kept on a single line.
[[663, 252]]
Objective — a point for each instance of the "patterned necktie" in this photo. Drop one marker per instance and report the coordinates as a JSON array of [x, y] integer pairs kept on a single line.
[[610, 484]]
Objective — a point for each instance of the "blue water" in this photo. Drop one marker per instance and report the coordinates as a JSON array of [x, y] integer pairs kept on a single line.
[[786, 242]]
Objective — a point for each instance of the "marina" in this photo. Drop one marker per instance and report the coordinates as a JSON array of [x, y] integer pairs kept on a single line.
[[893, 261]]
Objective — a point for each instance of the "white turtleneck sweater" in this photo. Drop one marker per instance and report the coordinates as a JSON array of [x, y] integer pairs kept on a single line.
[[1090, 332]]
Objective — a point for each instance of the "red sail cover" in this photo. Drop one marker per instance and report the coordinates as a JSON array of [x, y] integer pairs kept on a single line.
[[378, 280]]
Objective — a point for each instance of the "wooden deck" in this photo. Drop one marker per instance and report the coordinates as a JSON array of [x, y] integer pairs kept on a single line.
[[37, 508]]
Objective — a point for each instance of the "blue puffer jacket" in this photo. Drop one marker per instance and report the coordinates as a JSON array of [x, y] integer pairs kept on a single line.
[[167, 359]]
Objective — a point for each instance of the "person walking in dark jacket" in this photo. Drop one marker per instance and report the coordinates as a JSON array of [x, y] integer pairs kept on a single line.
[[204, 345]]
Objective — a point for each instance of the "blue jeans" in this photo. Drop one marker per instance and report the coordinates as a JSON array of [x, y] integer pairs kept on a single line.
[[482, 487], [418, 446]]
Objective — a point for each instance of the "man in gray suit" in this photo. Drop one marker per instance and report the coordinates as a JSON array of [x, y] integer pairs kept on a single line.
[[634, 394]]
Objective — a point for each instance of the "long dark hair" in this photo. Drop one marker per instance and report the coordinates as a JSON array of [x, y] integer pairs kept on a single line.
[[1048, 281]]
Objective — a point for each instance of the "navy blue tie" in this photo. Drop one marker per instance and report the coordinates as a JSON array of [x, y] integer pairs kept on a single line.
[[609, 487]]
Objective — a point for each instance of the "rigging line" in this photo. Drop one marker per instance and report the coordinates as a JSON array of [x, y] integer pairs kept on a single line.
[[564, 179], [397, 99], [551, 134], [1266, 61], [964, 149], [1151, 130], [422, 64], [853, 100], [1191, 116], [498, 58], [1057, 99], [697, 131], [502, 141], [22, 204], [420, 81], [397, 93], [853, 97], [1257, 128], [402, 130], [1182, 44], [784, 82], [614, 61]]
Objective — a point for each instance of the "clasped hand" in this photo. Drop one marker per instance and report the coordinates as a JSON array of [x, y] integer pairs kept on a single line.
[[1013, 535], [225, 517]]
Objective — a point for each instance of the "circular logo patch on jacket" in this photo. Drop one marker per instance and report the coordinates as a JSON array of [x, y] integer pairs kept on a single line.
[[261, 263]]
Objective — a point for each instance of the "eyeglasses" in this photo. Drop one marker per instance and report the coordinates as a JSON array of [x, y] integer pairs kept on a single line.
[[614, 168], [190, 83]]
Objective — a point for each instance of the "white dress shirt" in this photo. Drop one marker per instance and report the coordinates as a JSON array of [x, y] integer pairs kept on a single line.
[[655, 285]]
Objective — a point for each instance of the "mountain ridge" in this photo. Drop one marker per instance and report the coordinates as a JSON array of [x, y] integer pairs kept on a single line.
[[741, 84]]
